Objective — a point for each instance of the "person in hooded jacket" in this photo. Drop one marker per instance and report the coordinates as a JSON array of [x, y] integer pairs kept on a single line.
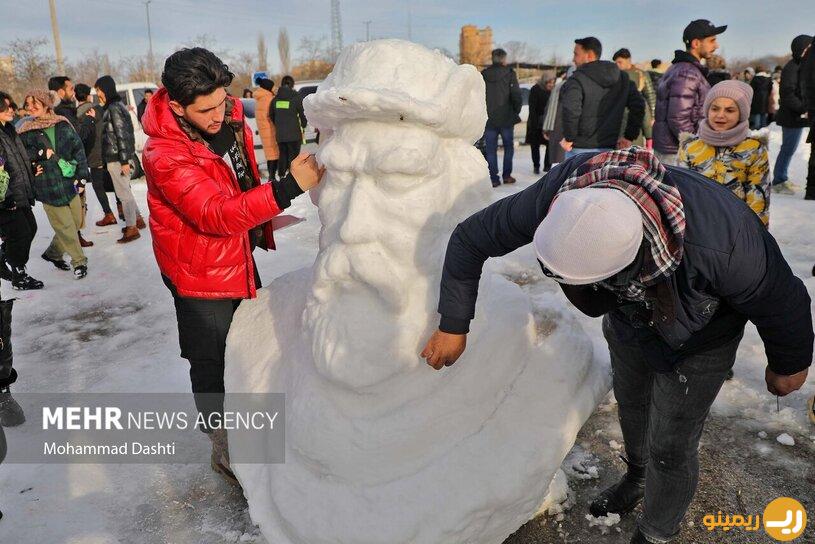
[[504, 103], [208, 212], [791, 116], [682, 89], [594, 101], [118, 147], [286, 114]]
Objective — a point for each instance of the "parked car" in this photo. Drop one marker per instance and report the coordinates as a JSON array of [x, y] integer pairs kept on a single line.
[[305, 88]]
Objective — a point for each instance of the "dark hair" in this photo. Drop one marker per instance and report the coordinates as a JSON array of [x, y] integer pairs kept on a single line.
[[656, 63], [245, 92], [267, 84], [190, 73], [592, 44], [151, 91], [82, 91], [287, 81], [622, 54], [57, 82], [5, 96], [759, 68], [498, 55]]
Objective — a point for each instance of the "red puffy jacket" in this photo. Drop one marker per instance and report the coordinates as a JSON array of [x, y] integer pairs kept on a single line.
[[199, 217]]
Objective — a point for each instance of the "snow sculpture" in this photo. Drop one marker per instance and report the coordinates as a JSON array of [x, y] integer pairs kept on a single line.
[[380, 447]]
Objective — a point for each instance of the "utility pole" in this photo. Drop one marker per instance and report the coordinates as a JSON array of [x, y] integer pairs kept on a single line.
[[57, 42], [336, 27], [367, 30], [150, 59]]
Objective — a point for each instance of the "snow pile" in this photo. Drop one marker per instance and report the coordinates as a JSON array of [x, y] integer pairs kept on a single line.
[[605, 523], [381, 448]]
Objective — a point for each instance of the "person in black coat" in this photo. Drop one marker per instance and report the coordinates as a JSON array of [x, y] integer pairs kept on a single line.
[[791, 116], [762, 85], [64, 89], [594, 101], [504, 103], [673, 336], [148, 93], [17, 223], [289, 120], [538, 98], [806, 86]]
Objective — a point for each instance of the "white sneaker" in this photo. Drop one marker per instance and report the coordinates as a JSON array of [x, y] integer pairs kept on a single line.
[[784, 188]]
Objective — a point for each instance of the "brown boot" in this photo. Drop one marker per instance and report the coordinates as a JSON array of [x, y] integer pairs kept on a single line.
[[82, 241], [108, 219], [140, 224], [129, 234], [219, 460]]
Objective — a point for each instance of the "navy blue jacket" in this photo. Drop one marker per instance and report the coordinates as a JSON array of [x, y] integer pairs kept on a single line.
[[732, 271]]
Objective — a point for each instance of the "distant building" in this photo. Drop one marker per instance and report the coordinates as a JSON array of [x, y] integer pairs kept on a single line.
[[475, 45]]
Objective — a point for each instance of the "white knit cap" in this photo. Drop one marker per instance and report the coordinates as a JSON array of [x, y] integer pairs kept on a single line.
[[589, 235]]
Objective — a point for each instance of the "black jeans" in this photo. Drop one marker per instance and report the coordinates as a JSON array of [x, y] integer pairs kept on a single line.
[[18, 228], [810, 192], [536, 156], [98, 179], [662, 416], [203, 325], [288, 150]]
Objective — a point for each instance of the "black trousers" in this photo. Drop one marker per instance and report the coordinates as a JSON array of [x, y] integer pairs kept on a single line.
[[98, 179], [536, 156], [203, 325], [18, 228], [288, 150], [810, 191]]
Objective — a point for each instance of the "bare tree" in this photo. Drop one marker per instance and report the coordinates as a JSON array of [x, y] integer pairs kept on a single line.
[[521, 52], [314, 49], [31, 67], [284, 50], [263, 53]]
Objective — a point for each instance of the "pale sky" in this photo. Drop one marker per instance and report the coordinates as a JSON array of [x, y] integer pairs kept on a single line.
[[649, 28]]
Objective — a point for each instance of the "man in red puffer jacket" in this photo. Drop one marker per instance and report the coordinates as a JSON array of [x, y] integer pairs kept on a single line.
[[208, 211]]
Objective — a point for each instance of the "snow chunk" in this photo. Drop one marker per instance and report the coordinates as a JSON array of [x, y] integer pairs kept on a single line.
[[605, 523], [762, 435], [785, 439]]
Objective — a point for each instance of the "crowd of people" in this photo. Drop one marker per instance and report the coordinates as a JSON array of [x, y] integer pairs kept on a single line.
[[593, 106], [628, 221]]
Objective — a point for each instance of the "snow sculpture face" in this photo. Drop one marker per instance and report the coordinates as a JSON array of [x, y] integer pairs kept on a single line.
[[401, 171]]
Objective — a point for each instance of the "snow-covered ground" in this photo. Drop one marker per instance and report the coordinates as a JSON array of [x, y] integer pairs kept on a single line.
[[115, 331]]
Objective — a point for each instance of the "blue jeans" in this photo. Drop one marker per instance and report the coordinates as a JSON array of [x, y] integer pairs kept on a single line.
[[662, 416], [790, 138], [758, 120], [491, 140], [579, 150]]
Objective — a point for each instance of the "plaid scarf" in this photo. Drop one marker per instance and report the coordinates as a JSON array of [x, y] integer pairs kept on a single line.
[[638, 173]]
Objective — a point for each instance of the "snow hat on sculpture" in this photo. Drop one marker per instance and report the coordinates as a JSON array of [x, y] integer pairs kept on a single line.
[[379, 447]]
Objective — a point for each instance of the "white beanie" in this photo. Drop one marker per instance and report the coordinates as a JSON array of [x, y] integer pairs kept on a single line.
[[589, 235]]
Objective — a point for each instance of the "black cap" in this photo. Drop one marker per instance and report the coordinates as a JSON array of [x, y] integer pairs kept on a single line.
[[701, 29]]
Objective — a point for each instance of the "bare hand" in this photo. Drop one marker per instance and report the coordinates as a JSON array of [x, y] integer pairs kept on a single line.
[[622, 143], [91, 113], [126, 169], [546, 135], [49, 153], [38, 170], [566, 145], [444, 349], [781, 385], [305, 171]]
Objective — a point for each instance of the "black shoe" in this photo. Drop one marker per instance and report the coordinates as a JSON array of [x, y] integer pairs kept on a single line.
[[11, 414], [809, 196], [536, 170], [813, 270], [59, 263], [729, 375], [21, 281], [496, 183], [623, 496], [80, 272]]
